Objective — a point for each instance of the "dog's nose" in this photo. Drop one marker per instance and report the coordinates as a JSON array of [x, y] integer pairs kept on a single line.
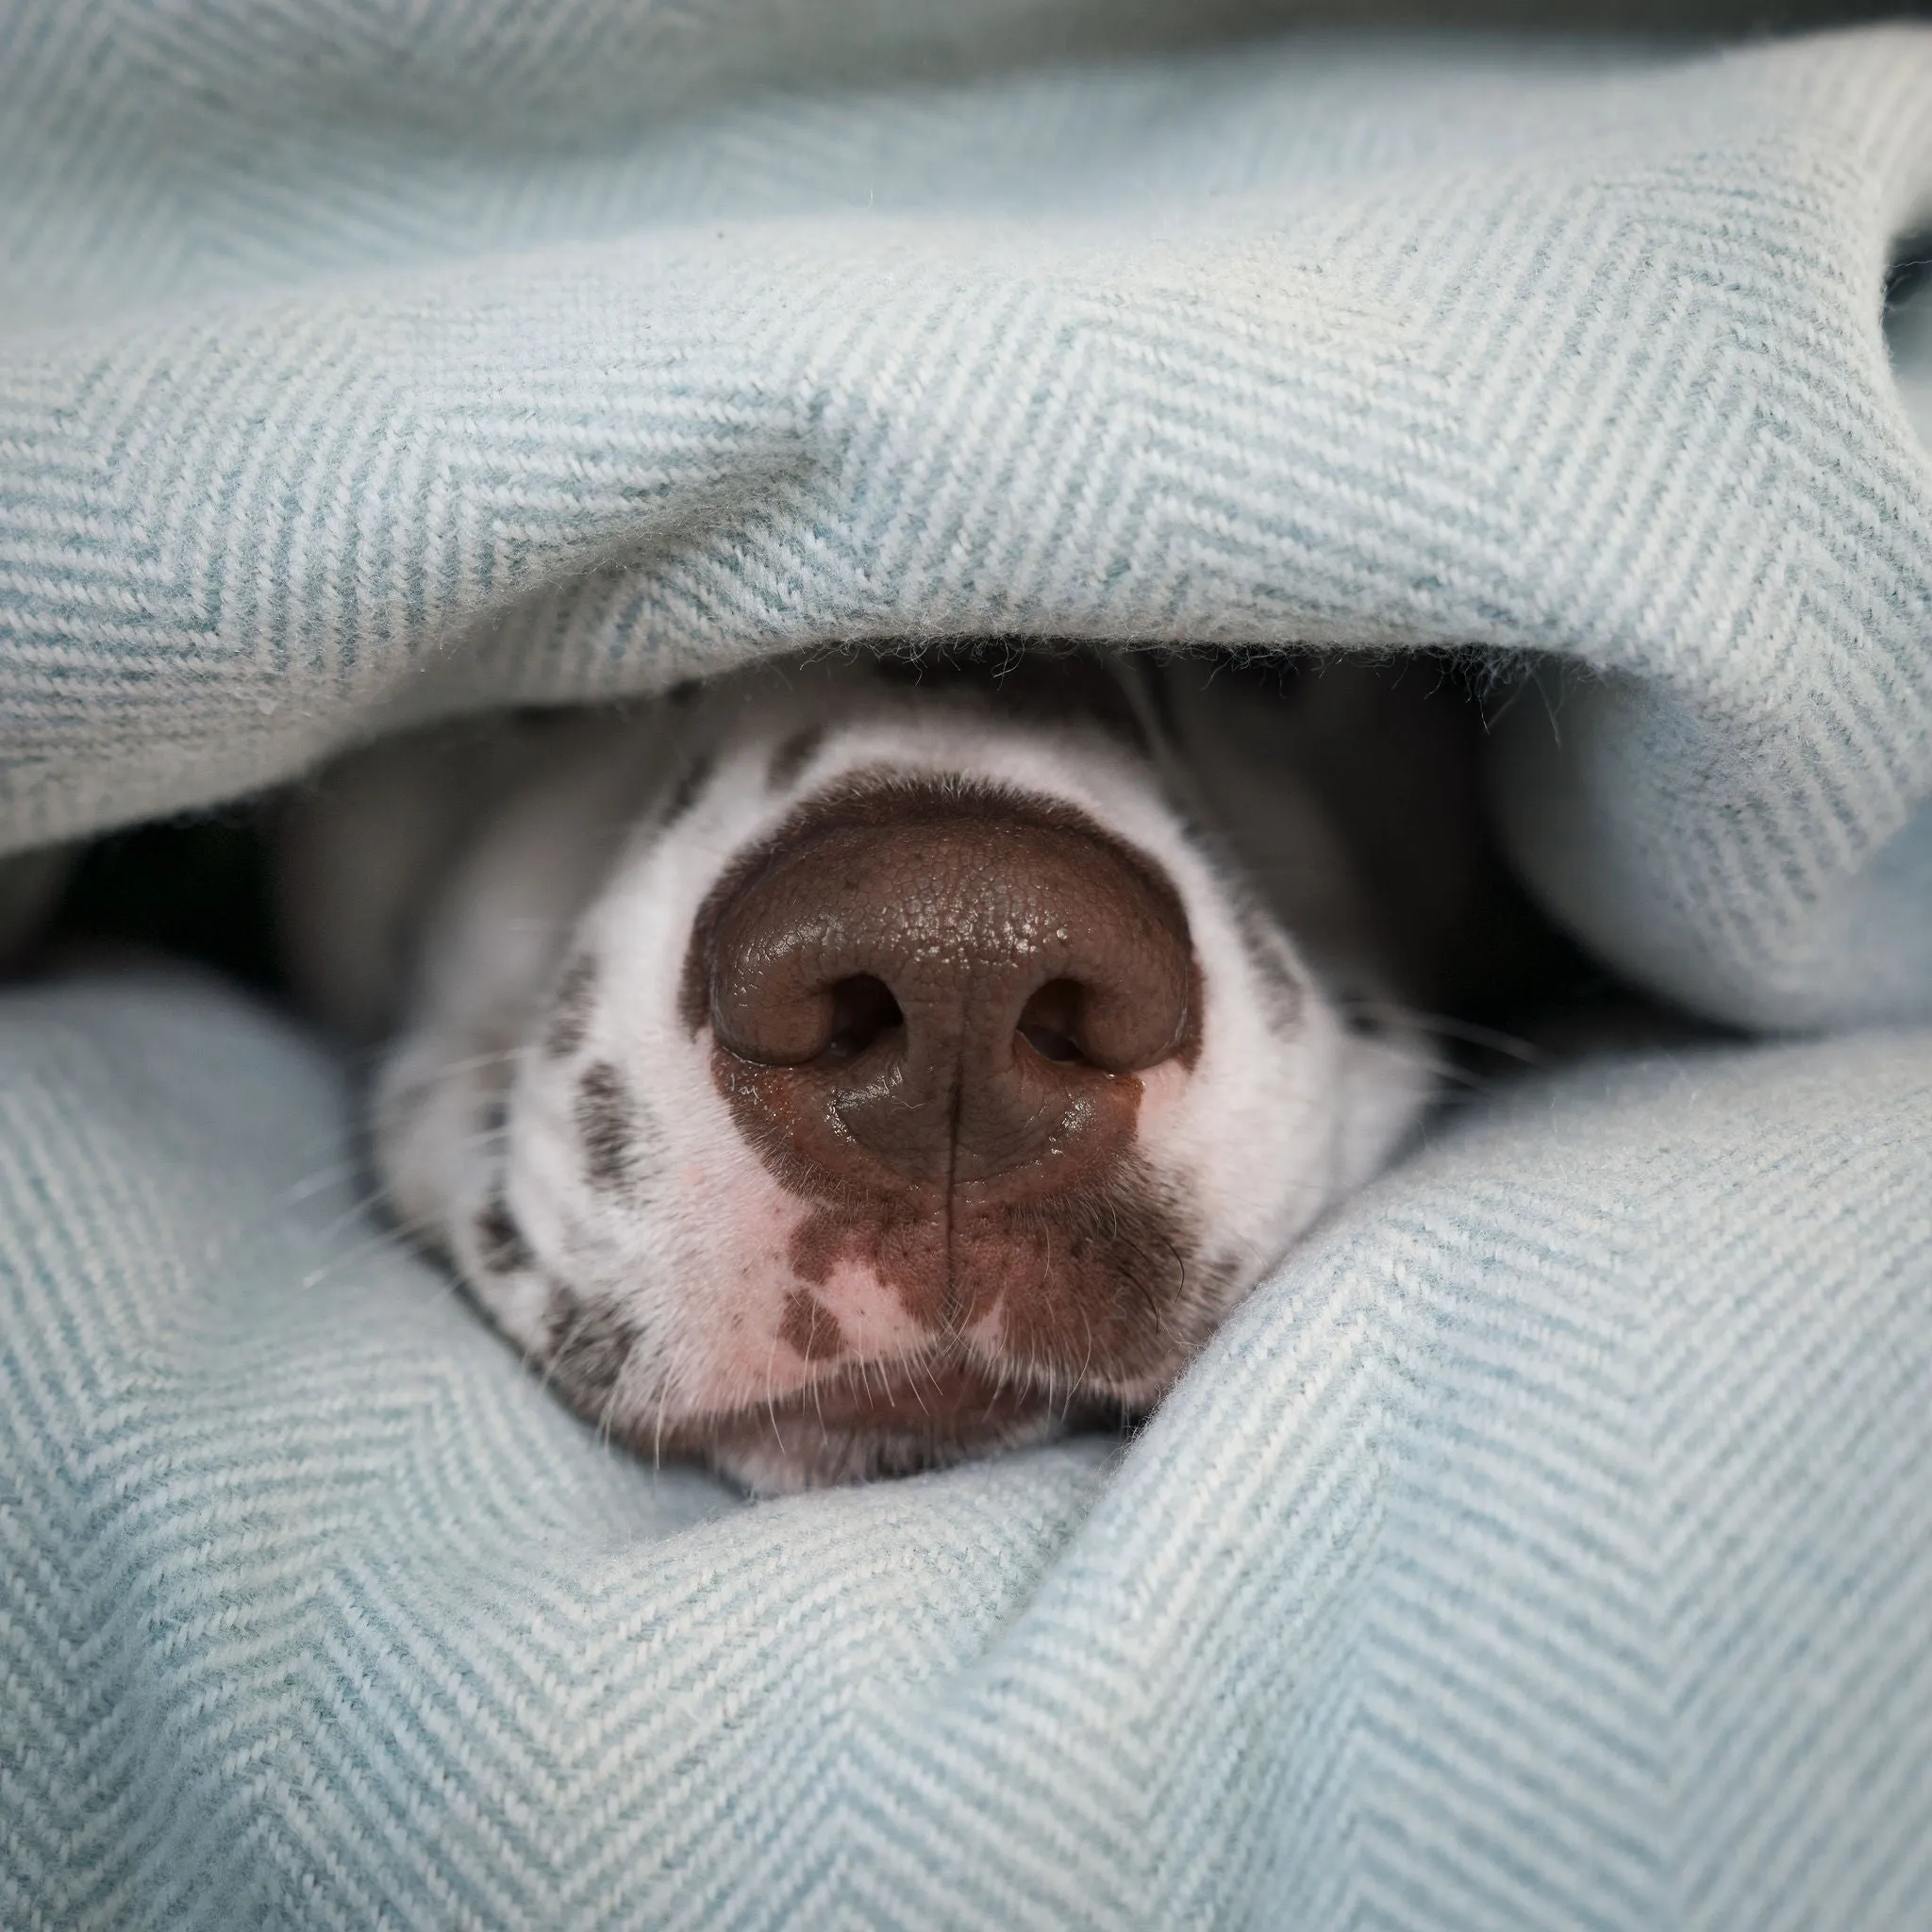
[[951, 986]]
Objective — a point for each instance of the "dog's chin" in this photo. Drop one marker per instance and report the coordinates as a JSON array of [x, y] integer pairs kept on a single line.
[[875, 1420]]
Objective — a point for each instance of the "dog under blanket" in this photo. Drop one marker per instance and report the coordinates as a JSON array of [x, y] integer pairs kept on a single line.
[[842, 1069], [1547, 1540]]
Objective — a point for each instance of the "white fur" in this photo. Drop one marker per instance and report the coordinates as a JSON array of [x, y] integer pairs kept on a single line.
[[1280, 1115]]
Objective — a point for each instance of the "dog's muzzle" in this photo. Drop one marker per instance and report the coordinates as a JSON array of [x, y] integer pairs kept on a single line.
[[934, 1007]]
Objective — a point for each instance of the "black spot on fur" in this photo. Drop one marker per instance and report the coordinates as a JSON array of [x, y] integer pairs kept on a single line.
[[492, 1115], [684, 794], [1216, 1280], [606, 1123], [793, 756], [570, 1011], [499, 1239], [1280, 987], [590, 1345]]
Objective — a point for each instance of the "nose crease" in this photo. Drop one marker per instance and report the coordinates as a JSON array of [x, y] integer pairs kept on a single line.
[[949, 1209]]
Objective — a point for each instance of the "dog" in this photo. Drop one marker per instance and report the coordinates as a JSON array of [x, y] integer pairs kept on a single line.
[[845, 1066]]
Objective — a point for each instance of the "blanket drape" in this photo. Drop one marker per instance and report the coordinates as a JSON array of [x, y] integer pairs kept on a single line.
[[1548, 1541], [1548, 1544], [388, 385]]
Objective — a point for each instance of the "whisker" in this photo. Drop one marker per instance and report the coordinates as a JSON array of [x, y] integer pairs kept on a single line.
[[772, 1393], [320, 1181], [1447, 1027], [383, 1241], [448, 1070], [361, 1208]]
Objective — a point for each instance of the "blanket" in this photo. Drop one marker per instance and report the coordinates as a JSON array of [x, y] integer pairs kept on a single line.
[[1547, 1542]]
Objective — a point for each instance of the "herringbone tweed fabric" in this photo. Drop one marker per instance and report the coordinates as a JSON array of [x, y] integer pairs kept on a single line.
[[369, 362], [1550, 1543]]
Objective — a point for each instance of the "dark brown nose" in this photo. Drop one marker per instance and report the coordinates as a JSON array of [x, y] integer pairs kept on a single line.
[[948, 983]]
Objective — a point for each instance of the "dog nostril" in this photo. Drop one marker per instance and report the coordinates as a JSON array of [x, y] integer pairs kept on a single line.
[[1050, 1022], [1050, 1045], [863, 1013], [947, 985]]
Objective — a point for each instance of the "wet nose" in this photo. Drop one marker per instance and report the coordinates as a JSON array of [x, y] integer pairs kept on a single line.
[[954, 991]]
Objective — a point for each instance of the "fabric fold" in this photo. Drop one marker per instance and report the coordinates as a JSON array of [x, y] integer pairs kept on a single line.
[[1546, 1543], [1569, 350]]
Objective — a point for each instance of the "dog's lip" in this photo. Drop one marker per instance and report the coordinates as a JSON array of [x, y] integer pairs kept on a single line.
[[951, 1398], [877, 1418]]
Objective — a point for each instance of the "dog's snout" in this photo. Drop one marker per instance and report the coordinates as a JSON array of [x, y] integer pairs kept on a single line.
[[952, 988]]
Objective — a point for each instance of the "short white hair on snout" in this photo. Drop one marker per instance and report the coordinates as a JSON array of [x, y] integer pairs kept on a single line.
[[832, 1074]]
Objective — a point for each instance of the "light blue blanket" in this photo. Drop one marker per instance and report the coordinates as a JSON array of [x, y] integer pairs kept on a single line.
[[1550, 1543]]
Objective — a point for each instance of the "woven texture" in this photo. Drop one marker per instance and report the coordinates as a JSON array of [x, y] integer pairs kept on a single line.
[[368, 364], [1549, 1542], [1548, 1545]]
